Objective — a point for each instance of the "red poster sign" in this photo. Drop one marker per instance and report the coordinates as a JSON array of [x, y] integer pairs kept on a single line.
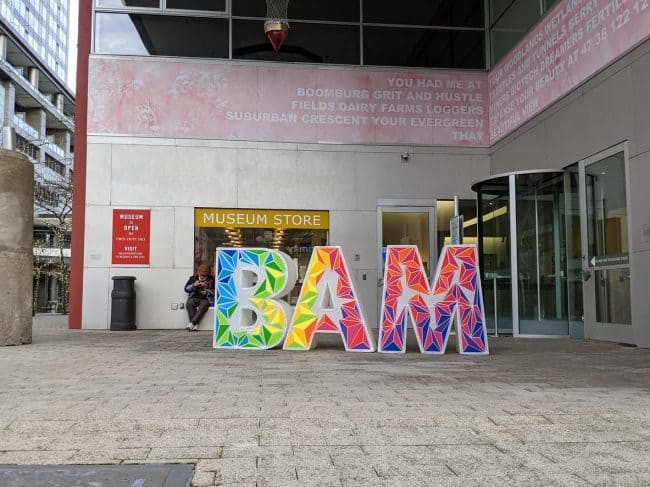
[[131, 230]]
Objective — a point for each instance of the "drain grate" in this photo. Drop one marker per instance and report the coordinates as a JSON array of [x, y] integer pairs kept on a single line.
[[177, 475]]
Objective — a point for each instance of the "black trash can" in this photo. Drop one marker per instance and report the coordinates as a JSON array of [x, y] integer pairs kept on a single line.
[[123, 303]]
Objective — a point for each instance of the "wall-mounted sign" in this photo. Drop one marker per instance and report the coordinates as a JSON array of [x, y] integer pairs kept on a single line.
[[605, 260], [573, 41], [287, 103], [251, 218], [131, 237], [456, 230]]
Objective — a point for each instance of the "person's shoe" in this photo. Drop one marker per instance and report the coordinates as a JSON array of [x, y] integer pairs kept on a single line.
[[195, 327], [189, 326]]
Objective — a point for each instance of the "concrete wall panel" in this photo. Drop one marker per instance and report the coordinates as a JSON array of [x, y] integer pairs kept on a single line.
[[162, 237], [327, 180], [267, 179], [96, 298], [640, 211], [641, 101], [198, 176], [431, 176], [98, 174], [183, 238], [527, 151], [97, 246]]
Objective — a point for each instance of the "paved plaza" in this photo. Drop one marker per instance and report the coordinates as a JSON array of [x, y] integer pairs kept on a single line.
[[534, 412]]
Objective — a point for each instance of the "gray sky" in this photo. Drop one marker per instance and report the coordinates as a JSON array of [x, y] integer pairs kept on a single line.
[[72, 45]]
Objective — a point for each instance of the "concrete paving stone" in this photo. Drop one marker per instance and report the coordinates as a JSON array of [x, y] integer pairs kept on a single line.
[[203, 479], [253, 451], [554, 433], [43, 426], [174, 440], [36, 457], [185, 452], [230, 469], [298, 459], [613, 457], [33, 440], [71, 441], [519, 417], [618, 479], [311, 437], [224, 424]]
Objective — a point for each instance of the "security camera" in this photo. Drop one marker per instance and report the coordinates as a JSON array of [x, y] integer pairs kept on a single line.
[[405, 156]]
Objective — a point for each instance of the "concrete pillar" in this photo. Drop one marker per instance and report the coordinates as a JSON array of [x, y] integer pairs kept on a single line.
[[3, 47], [58, 101], [9, 102], [16, 252], [36, 118], [33, 75]]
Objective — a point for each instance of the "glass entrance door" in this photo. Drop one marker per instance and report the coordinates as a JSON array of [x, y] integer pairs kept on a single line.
[[406, 225], [605, 246]]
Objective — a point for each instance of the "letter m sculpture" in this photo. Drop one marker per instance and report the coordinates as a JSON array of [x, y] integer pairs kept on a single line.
[[456, 294]]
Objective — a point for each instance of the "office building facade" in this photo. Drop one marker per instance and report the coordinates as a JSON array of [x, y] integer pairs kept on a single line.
[[360, 132], [38, 120]]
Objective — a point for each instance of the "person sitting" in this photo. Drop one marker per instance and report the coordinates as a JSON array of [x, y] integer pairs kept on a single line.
[[200, 288]]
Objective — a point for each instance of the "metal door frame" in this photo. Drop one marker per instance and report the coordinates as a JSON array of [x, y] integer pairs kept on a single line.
[[405, 206], [593, 329]]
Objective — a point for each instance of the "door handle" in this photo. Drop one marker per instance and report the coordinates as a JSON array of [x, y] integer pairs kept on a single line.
[[586, 275]]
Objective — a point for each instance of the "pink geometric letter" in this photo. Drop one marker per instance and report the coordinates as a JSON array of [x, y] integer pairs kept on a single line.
[[456, 293]]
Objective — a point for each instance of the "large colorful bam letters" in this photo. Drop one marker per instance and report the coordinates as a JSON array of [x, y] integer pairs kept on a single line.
[[456, 292], [250, 283], [328, 304]]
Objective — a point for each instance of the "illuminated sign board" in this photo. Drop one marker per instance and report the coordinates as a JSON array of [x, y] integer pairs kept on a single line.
[[253, 218]]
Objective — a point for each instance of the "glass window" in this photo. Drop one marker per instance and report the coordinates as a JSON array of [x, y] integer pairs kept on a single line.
[[515, 22], [408, 228], [494, 252], [613, 296], [425, 12], [606, 209], [548, 4], [444, 214], [332, 10], [541, 254], [574, 253], [313, 43], [427, 48], [497, 7], [159, 35], [129, 3], [271, 233], [207, 5]]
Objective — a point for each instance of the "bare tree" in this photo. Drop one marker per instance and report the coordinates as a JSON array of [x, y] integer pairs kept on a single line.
[[53, 209]]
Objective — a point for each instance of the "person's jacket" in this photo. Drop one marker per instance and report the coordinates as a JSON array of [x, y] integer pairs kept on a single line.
[[195, 292]]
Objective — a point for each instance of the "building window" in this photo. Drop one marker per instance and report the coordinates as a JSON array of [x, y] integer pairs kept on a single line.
[[431, 34], [309, 43], [510, 21], [158, 35], [294, 232]]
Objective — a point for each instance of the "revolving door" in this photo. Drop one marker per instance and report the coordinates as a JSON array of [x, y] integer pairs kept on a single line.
[[530, 269]]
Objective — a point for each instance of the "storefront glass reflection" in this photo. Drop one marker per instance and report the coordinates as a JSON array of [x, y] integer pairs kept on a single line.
[[494, 253], [541, 254]]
